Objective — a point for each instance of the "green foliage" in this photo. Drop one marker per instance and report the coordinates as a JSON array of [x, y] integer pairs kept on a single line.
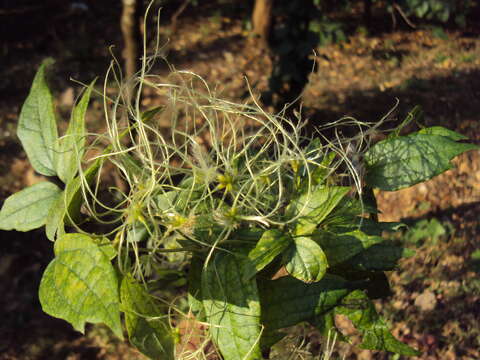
[[232, 306], [376, 336], [37, 128], [80, 284], [403, 161], [425, 229], [439, 10], [28, 209], [146, 328], [70, 148], [247, 207]]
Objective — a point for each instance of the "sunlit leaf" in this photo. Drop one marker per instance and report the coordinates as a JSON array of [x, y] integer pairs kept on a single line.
[[232, 307], [271, 244], [37, 128], [27, 209], [70, 148], [403, 161], [313, 207], [305, 260], [80, 284]]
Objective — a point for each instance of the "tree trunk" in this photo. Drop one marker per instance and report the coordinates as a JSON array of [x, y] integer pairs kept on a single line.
[[130, 24], [262, 19]]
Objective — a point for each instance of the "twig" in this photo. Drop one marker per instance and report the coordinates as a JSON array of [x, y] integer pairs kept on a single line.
[[403, 15], [176, 14]]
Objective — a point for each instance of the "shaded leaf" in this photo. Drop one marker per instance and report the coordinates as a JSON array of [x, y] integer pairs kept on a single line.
[[37, 128], [195, 288], [147, 331], [403, 161], [339, 247], [305, 260], [27, 209], [232, 307], [70, 148], [288, 301], [80, 284], [376, 336], [379, 257]]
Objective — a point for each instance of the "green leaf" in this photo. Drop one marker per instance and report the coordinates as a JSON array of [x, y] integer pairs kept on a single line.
[[232, 306], [271, 244], [441, 131], [195, 288], [376, 336], [305, 260], [339, 247], [313, 207], [379, 257], [147, 331], [37, 129], [288, 301], [403, 161], [80, 284], [27, 209], [70, 148], [66, 210]]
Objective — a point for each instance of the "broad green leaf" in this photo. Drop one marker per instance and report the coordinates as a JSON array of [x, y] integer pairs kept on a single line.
[[37, 128], [376, 336], [305, 260], [232, 306], [80, 284], [271, 244], [379, 257], [403, 161], [27, 209], [147, 331], [105, 245], [66, 209], [439, 130], [313, 207], [288, 301], [339, 247], [70, 148]]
